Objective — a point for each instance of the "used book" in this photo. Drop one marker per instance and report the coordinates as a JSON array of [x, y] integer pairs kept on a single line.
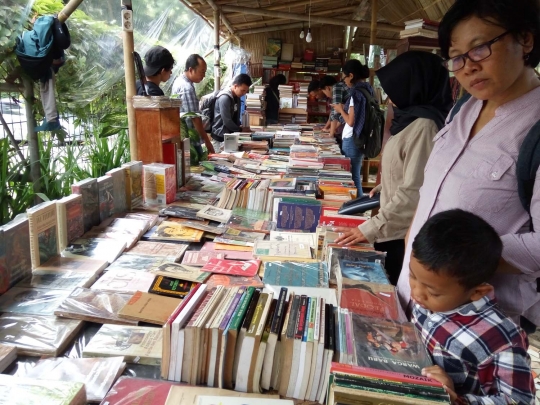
[[200, 258], [24, 391], [247, 268], [139, 263], [14, 252], [150, 308], [171, 287], [43, 227], [124, 281], [181, 272], [215, 214], [70, 219], [88, 189], [175, 232], [132, 390], [159, 249], [102, 249], [35, 301]]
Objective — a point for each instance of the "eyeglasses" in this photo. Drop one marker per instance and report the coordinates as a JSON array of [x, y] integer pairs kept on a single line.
[[476, 54]]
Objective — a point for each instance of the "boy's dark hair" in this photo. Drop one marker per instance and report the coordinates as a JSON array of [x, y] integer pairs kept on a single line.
[[241, 79], [327, 81], [358, 70], [459, 244], [276, 81], [518, 17], [193, 61], [314, 85]]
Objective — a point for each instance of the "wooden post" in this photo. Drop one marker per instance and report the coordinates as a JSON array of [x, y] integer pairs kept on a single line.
[[129, 69], [33, 143], [373, 36], [68, 9], [217, 53], [350, 41]]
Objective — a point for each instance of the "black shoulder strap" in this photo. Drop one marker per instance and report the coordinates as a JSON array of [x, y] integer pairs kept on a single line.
[[458, 106], [527, 166]]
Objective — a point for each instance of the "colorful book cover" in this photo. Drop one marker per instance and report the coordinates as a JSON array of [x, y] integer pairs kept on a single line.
[[388, 345], [171, 287], [138, 391], [297, 274], [233, 281], [370, 299], [119, 189], [159, 183], [140, 263], [88, 188], [363, 271], [200, 258], [182, 272], [134, 188], [172, 231], [17, 253], [303, 217], [106, 197], [70, 219], [247, 268], [22, 391], [42, 221]]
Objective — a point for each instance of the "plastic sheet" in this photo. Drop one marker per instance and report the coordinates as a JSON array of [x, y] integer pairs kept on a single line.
[[298, 274], [94, 306], [33, 301]]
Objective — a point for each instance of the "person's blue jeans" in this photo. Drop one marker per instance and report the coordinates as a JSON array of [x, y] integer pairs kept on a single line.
[[351, 151]]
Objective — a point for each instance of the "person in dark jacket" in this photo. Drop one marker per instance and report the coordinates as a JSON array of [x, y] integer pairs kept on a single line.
[[272, 98], [158, 64], [227, 117]]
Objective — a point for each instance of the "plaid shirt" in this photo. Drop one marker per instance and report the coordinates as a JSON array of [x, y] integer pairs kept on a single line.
[[482, 350], [185, 89], [340, 95]]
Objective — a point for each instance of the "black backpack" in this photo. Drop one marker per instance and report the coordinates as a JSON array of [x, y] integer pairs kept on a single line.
[[207, 107], [528, 160], [371, 137]]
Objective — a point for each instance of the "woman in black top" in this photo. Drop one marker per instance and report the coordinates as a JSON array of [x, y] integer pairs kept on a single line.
[[272, 98]]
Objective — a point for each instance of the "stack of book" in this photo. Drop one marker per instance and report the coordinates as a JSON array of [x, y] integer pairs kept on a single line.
[[286, 96], [321, 64], [270, 62], [420, 28]]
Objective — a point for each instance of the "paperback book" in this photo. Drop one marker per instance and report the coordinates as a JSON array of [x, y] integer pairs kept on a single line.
[[15, 261], [181, 272], [290, 273], [43, 226], [150, 308], [101, 249], [171, 287], [159, 249], [175, 232], [105, 197], [200, 258], [138, 263], [88, 189], [70, 219], [247, 268], [215, 214], [233, 281], [124, 281], [34, 301], [134, 190], [24, 391]]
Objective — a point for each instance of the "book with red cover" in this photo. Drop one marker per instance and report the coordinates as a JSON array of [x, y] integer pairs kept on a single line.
[[232, 281], [247, 268], [129, 390], [345, 163], [370, 299], [330, 217]]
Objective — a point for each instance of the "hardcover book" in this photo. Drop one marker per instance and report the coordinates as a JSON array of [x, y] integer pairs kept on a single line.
[[159, 249], [138, 344], [88, 189], [139, 263], [70, 219], [182, 272], [94, 306], [42, 223], [200, 258], [119, 189], [370, 299], [171, 287], [24, 391], [215, 214], [35, 301], [159, 183], [150, 308], [172, 231], [36, 335], [247, 268], [298, 216], [290, 273], [16, 247], [105, 197], [134, 188], [124, 281]]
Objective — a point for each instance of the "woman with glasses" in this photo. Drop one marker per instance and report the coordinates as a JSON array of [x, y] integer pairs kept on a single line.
[[492, 48]]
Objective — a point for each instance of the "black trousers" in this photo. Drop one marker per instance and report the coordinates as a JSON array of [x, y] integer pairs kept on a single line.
[[395, 251]]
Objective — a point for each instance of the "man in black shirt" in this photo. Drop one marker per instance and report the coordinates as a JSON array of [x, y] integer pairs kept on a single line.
[[158, 63]]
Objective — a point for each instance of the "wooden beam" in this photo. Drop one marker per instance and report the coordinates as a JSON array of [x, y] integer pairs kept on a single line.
[[194, 9], [285, 6], [128, 45], [373, 36], [224, 19], [274, 20], [358, 43], [217, 53], [270, 29], [303, 17]]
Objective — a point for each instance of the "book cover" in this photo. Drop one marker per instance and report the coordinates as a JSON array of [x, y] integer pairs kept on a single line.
[[370, 299], [36, 335], [247, 268], [181, 271], [105, 197], [70, 219], [283, 183], [35, 301], [150, 308], [94, 306], [88, 189], [172, 231], [217, 230], [171, 287], [101, 249], [42, 222], [134, 189], [388, 345], [233, 281], [180, 212], [138, 344], [97, 375], [215, 214], [281, 249], [363, 271], [119, 189], [200, 258], [294, 237], [138, 391], [16, 245], [129, 237], [138, 262], [297, 274], [239, 235], [124, 281], [160, 249], [221, 400], [150, 217], [159, 183], [229, 254], [303, 217], [58, 279], [24, 391]]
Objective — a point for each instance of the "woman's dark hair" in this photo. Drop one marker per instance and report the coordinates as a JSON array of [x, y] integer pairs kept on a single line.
[[277, 80], [327, 81], [518, 17], [358, 70]]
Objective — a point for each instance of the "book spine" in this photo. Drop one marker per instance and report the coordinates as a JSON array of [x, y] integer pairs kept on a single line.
[[239, 315], [43, 233], [278, 315], [301, 323], [293, 317], [232, 308], [257, 315]]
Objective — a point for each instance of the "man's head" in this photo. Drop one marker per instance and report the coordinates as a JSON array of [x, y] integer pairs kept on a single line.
[[240, 85], [195, 69], [314, 89], [454, 256], [326, 84], [158, 61]]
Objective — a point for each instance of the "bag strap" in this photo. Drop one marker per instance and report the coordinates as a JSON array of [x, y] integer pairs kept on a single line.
[[457, 106], [527, 166]]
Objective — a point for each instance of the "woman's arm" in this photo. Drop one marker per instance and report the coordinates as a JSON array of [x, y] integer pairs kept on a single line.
[[348, 117]]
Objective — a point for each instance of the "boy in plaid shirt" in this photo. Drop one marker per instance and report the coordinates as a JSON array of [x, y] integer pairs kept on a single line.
[[480, 355]]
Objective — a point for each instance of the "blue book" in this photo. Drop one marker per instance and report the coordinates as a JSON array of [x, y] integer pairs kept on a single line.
[[296, 274], [372, 272], [300, 216]]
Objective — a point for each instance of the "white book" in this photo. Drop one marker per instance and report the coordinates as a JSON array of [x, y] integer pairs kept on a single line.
[[258, 368], [325, 376], [312, 392], [297, 344], [315, 349], [276, 367], [305, 353]]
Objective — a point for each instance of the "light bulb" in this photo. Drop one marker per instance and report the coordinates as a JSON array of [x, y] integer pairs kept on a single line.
[[308, 36], [302, 34]]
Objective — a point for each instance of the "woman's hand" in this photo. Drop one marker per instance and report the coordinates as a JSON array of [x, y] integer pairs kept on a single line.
[[338, 108], [349, 236], [375, 190], [438, 374]]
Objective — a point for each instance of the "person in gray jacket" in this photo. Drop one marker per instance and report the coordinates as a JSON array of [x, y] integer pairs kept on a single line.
[[227, 117]]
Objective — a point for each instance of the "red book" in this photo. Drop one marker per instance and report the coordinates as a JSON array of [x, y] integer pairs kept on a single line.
[[330, 217], [247, 268], [370, 299], [129, 390]]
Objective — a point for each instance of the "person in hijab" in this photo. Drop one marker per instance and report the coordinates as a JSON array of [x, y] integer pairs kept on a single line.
[[419, 89], [272, 98]]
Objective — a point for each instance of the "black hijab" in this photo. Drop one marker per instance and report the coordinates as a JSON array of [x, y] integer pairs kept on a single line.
[[419, 86]]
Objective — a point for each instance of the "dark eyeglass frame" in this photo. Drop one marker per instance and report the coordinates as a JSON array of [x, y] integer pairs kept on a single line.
[[465, 56]]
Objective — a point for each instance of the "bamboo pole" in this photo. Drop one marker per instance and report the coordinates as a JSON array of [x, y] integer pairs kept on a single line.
[[217, 53], [129, 77], [288, 5], [315, 19], [373, 35], [33, 143], [224, 19], [68, 10], [220, 46], [269, 29]]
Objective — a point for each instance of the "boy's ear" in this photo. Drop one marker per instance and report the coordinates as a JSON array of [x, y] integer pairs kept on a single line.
[[481, 291]]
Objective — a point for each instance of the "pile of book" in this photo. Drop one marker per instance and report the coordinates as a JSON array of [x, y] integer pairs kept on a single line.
[[420, 28], [270, 62], [285, 96]]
